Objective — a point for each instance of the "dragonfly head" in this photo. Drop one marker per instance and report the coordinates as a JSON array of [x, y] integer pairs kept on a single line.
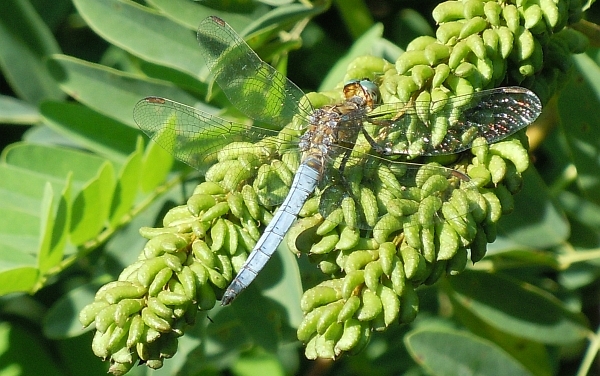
[[364, 89]]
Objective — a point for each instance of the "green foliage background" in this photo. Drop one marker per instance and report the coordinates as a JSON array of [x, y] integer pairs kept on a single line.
[[82, 181]]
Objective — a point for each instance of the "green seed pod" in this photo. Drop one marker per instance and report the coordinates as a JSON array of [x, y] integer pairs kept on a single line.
[[172, 261], [511, 17], [217, 279], [441, 73], [218, 233], [159, 281], [231, 239], [448, 11], [118, 293], [459, 52], [251, 201], [326, 244], [308, 325], [203, 253], [209, 188], [505, 41], [352, 280], [371, 306], [100, 342], [473, 26], [457, 220], [175, 215], [136, 330], [424, 100], [205, 296], [88, 314], [420, 43], [349, 210], [494, 208], [126, 308], [532, 14], [473, 8], [324, 348], [409, 59], [398, 276], [412, 233], [550, 12], [514, 152], [422, 73], [389, 180], [457, 264], [476, 45], [359, 259], [200, 202], [160, 309], [351, 336], [448, 241], [409, 305], [428, 241], [492, 12], [171, 298], [478, 246], [414, 263], [219, 210], [318, 296], [348, 239], [310, 207], [448, 32], [373, 272], [497, 168], [188, 280], [387, 251], [436, 52], [153, 321], [329, 316], [351, 305], [480, 176], [333, 220], [506, 199], [524, 43], [310, 350], [437, 270], [490, 41], [368, 202], [390, 304], [465, 69], [428, 211]]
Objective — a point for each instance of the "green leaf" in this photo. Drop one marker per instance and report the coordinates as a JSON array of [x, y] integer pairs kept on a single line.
[[15, 111], [258, 362], [25, 41], [156, 164], [363, 46], [61, 320], [517, 308], [544, 227], [127, 185], [448, 352], [53, 162], [143, 32], [191, 14], [55, 231], [92, 205], [90, 129], [17, 345], [580, 121], [109, 91]]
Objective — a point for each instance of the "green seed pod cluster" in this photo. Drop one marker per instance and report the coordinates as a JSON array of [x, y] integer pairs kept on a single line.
[[183, 268], [479, 43], [421, 223], [426, 227], [424, 233]]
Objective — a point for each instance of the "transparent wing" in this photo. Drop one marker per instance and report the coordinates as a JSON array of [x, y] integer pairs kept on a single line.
[[450, 126], [253, 86], [196, 137]]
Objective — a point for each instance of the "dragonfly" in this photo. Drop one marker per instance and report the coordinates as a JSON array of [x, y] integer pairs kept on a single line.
[[326, 137]]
